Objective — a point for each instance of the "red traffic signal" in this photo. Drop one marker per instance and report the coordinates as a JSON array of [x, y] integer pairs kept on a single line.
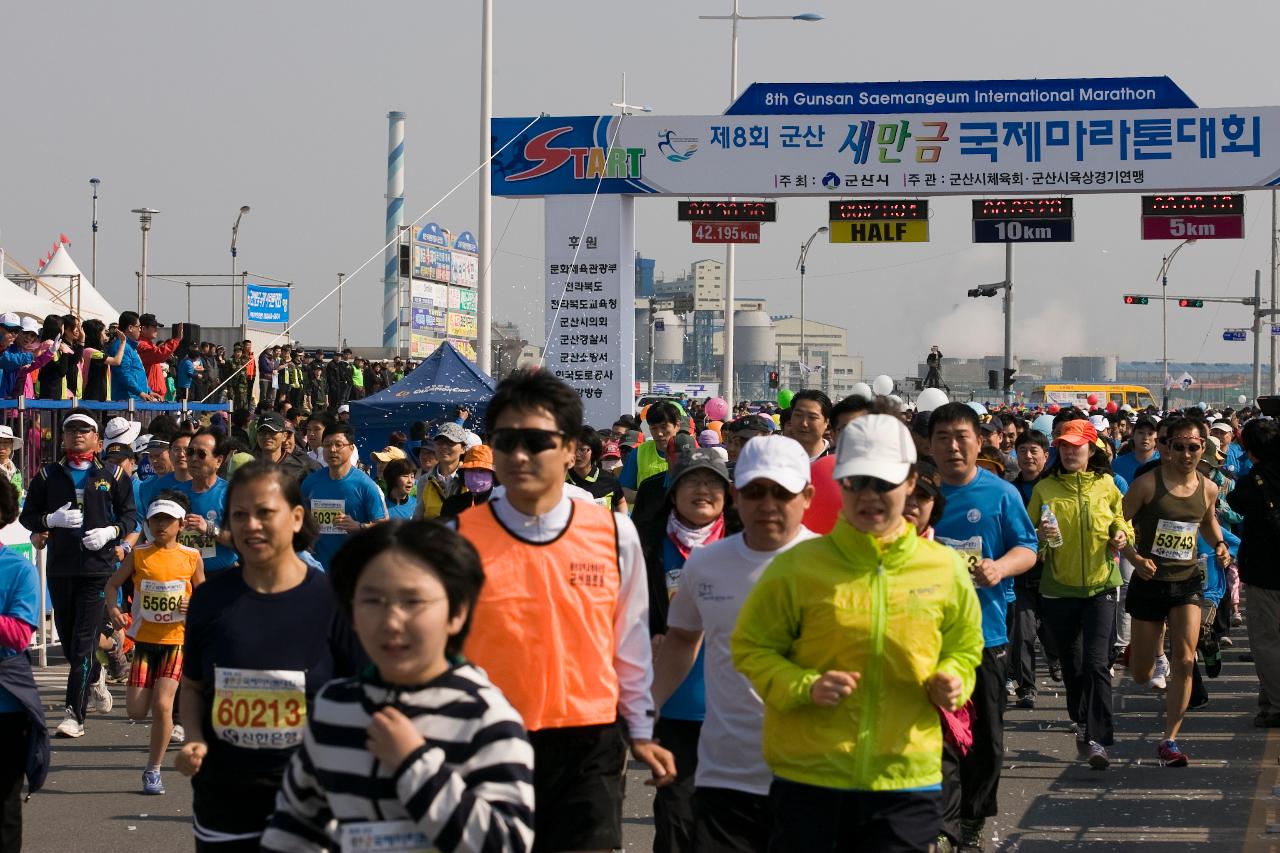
[[1190, 303], [1134, 299]]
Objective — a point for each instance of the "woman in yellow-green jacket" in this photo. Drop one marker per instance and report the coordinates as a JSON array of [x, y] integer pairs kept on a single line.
[[851, 640], [1081, 528]]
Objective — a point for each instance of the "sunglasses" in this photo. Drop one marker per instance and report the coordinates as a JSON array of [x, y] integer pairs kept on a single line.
[[857, 484], [1179, 447], [759, 491], [200, 454], [533, 440]]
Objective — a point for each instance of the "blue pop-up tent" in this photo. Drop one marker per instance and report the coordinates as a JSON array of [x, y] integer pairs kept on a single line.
[[445, 380]]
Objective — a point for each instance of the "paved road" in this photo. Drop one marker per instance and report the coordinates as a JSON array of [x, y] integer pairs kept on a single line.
[[1223, 802]]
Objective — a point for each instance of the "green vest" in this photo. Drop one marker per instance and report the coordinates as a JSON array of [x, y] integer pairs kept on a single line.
[[648, 462]]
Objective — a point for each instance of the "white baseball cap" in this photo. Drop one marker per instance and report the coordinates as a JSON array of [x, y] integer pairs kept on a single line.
[[1222, 426], [344, 408], [81, 420], [6, 432], [874, 446], [30, 325], [773, 457], [121, 431], [10, 320], [1099, 422], [166, 507]]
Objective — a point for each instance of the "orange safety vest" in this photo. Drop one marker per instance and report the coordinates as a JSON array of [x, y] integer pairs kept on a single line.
[[543, 626]]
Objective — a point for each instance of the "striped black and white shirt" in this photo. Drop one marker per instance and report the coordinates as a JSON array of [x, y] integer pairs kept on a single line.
[[469, 787]]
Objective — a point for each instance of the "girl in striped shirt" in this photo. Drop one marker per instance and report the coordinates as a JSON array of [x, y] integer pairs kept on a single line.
[[420, 750]]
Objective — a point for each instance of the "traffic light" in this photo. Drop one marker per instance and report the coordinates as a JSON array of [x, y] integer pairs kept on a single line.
[[993, 379], [405, 266], [1134, 299], [983, 291], [1190, 303], [1008, 377], [773, 380]]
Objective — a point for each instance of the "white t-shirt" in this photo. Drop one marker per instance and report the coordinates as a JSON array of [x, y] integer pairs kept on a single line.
[[713, 586]]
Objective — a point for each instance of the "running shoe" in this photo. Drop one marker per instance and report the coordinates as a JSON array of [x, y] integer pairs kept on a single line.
[[100, 701], [1171, 755], [1011, 687], [70, 726], [151, 782], [1237, 619], [1212, 657], [178, 735], [1160, 677], [1098, 756], [1055, 672], [1226, 641], [1027, 699], [971, 834]]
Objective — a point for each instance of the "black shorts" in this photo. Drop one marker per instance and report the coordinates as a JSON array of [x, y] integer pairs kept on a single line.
[[577, 787], [730, 821], [1151, 600]]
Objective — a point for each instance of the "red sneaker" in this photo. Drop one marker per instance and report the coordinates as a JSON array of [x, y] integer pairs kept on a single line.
[[1171, 755]]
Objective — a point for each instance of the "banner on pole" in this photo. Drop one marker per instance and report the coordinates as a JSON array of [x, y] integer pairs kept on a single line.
[[267, 304]]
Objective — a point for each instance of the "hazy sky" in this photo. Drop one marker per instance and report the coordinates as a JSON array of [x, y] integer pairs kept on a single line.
[[196, 109]]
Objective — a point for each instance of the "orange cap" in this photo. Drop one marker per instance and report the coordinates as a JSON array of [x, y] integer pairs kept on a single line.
[[480, 456], [1078, 432]]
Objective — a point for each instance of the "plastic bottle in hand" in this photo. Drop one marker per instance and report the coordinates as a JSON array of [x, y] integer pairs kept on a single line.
[[1053, 540]]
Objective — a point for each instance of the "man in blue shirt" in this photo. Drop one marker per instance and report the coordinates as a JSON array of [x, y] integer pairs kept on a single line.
[[1144, 449], [986, 521], [176, 451], [190, 365], [341, 498], [204, 528], [129, 379]]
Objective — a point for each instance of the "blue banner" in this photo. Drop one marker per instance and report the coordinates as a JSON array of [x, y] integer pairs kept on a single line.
[[961, 96], [267, 304]]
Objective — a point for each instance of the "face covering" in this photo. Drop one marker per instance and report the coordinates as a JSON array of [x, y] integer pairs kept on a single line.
[[477, 480]]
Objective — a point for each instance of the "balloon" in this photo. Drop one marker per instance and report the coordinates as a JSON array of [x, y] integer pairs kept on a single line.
[[978, 407], [784, 397], [863, 390], [1242, 399], [1054, 408], [896, 400], [1202, 406], [1093, 399], [1112, 408], [1043, 425], [930, 399], [717, 409], [882, 385]]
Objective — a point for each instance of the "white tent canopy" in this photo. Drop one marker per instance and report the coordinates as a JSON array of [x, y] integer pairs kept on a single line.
[[55, 284], [14, 298]]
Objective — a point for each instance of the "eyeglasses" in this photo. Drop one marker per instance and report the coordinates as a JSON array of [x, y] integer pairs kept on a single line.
[[200, 454], [857, 484], [383, 604], [533, 440], [759, 491], [1179, 447]]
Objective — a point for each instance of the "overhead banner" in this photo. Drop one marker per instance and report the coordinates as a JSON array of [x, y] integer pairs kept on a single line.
[[906, 153], [267, 304]]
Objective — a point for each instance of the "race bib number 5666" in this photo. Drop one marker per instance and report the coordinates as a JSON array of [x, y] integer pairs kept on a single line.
[[260, 708]]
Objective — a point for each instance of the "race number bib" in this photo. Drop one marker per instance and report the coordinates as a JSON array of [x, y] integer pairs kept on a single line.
[[160, 601], [1175, 540], [259, 708], [206, 543], [971, 548], [79, 498], [326, 511], [385, 836]]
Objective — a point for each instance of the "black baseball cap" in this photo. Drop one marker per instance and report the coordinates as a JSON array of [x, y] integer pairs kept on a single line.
[[754, 424], [149, 320], [272, 421], [692, 459]]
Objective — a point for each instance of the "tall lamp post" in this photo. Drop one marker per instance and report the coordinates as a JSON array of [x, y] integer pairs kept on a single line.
[[1164, 317], [244, 297], [804, 253], [726, 387], [484, 282], [93, 257], [144, 219]]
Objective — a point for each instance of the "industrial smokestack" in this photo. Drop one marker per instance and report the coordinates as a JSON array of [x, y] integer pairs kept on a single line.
[[395, 218]]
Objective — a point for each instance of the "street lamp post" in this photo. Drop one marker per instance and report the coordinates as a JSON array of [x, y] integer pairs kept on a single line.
[[484, 283], [244, 299], [1164, 318], [726, 388], [144, 219], [93, 257], [804, 253]]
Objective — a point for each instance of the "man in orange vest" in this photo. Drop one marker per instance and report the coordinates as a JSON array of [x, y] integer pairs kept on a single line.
[[562, 624]]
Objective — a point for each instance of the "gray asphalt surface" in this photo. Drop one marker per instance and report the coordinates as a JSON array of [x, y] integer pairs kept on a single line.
[[1049, 801]]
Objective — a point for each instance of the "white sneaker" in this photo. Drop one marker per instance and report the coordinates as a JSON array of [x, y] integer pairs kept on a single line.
[[70, 726], [100, 701], [178, 735], [1159, 678]]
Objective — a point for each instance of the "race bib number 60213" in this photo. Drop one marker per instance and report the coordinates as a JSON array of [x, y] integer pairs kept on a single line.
[[259, 708]]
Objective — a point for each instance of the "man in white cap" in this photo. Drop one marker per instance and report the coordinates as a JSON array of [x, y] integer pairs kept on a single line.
[[855, 640], [120, 431], [731, 796], [13, 355], [85, 509]]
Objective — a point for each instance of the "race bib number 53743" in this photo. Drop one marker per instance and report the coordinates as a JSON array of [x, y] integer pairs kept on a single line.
[[1175, 540], [260, 708]]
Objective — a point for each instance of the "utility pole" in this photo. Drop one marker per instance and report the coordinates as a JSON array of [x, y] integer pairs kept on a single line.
[[1275, 295], [1257, 333], [341, 276], [653, 322], [1008, 323]]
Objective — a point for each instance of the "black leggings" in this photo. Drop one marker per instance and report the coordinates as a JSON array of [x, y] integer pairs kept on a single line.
[[77, 613]]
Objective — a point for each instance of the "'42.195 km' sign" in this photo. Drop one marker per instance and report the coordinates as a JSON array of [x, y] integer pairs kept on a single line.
[[726, 232]]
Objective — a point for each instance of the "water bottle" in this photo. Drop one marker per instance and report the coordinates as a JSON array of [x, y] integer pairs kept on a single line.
[[1055, 539]]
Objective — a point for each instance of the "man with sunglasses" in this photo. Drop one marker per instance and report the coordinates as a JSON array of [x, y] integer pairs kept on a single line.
[[731, 795], [341, 497], [204, 528], [571, 570], [1168, 507], [986, 520]]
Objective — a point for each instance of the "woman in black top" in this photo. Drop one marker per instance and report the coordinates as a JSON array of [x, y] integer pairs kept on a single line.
[[94, 363], [586, 472], [52, 374]]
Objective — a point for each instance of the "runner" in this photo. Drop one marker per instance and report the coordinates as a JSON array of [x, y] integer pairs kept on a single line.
[[341, 498], [477, 476], [266, 631], [397, 476], [809, 422], [1032, 452], [163, 574], [273, 447], [452, 764], [1144, 449], [1168, 506], [587, 472], [82, 509], [852, 676], [175, 455], [204, 528], [445, 479], [649, 457], [987, 522], [583, 565], [731, 796]]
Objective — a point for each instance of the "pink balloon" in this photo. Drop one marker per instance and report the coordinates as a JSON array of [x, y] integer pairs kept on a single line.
[[1054, 409], [716, 409], [1093, 399], [1112, 408]]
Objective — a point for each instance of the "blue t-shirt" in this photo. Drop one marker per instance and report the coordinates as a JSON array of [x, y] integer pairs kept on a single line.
[[19, 598], [986, 518], [137, 501], [356, 495], [186, 373], [689, 702], [147, 491], [211, 506], [1127, 465], [402, 511], [1237, 463]]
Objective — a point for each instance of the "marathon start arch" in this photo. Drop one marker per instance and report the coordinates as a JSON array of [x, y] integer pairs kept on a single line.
[[844, 140]]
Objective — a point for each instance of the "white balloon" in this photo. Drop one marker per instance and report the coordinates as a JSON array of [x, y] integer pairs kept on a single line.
[[1243, 399], [863, 390], [896, 400], [882, 384], [930, 399]]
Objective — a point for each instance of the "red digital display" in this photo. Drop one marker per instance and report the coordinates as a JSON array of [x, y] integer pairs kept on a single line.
[[877, 208], [1022, 208], [1184, 203], [727, 211], [726, 232]]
